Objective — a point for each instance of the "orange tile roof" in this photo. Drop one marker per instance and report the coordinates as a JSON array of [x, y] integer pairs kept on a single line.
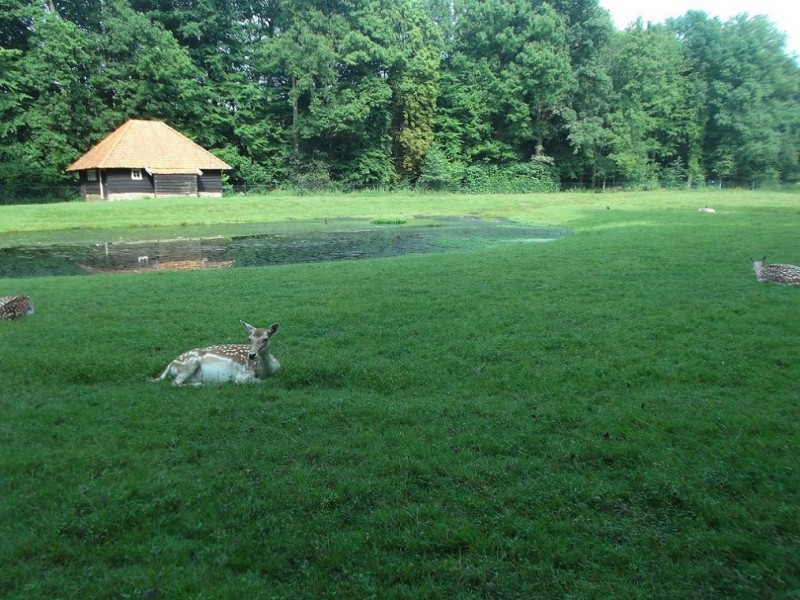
[[150, 145]]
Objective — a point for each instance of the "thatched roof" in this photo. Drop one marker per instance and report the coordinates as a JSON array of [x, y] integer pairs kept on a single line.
[[150, 145]]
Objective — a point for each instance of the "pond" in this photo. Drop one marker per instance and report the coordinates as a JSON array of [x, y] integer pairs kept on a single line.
[[272, 244]]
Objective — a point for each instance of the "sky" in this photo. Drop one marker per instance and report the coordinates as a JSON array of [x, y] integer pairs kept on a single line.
[[784, 14]]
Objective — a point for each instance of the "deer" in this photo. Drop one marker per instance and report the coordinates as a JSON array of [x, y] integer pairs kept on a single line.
[[236, 363], [784, 274], [15, 307]]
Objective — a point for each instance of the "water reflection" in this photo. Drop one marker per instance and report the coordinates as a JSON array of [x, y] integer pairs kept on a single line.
[[263, 249]]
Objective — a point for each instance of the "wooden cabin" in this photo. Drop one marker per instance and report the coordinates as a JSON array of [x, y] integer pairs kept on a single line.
[[148, 159]]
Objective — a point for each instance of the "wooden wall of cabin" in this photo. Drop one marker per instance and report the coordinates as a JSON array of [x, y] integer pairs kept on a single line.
[[119, 184], [90, 185], [175, 184], [210, 183]]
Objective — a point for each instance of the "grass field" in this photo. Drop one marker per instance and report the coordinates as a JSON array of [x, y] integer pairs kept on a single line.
[[610, 415]]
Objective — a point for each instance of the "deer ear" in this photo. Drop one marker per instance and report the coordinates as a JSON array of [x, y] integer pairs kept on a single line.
[[247, 327], [273, 329]]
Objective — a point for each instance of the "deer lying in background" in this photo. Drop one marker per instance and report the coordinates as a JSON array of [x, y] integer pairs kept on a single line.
[[785, 274], [237, 363], [15, 307]]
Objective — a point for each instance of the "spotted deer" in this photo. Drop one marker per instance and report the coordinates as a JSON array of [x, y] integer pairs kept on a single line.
[[785, 274], [15, 307], [236, 363]]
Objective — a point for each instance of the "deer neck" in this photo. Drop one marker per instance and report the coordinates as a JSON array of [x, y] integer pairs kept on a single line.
[[264, 365]]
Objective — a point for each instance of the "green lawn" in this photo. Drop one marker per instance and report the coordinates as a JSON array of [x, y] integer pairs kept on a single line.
[[610, 415], [154, 217]]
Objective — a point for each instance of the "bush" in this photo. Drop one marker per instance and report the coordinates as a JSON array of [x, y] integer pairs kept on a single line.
[[311, 176], [440, 173], [519, 178], [244, 170], [674, 175]]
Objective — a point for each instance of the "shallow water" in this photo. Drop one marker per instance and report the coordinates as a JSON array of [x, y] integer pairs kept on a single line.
[[273, 244]]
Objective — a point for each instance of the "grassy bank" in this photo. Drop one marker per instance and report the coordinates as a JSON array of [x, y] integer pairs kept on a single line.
[[612, 415], [154, 218]]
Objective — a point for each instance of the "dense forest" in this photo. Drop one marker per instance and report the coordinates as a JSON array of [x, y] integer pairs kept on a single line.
[[442, 94]]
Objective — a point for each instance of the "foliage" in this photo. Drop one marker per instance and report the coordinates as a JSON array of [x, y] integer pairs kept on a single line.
[[571, 419], [656, 111], [369, 87], [525, 64], [244, 169], [531, 177], [675, 174], [440, 173], [751, 90], [49, 106]]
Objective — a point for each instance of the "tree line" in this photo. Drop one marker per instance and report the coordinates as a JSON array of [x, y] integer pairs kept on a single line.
[[442, 94]]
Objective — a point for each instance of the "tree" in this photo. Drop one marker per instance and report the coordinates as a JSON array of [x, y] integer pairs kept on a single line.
[[144, 72], [520, 49], [582, 147], [414, 81], [16, 21], [331, 69], [754, 102], [50, 107], [655, 117], [371, 92], [750, 91]]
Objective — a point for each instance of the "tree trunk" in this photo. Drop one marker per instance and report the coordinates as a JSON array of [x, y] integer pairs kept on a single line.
[[295, 116]]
